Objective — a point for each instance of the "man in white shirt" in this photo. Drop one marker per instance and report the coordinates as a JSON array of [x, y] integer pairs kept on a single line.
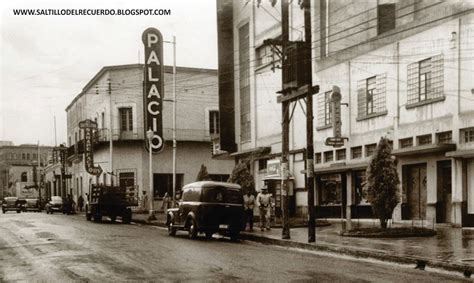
[[265, 204], [249, 204]]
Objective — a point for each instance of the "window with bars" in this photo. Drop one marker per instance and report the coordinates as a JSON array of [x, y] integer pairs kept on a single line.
[[356, 152], [324, 109], [467, 135], [371, 96], [425, 81], [317, 157], [370, 149], [406, 142], [126, 119], [262, 164], [214, 122], [244, 83], [265, 55], [328, 156], [444, 137], [341, 154], [424, 139]]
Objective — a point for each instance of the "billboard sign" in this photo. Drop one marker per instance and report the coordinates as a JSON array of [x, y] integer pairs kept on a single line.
[[153, 88], [88, 126]]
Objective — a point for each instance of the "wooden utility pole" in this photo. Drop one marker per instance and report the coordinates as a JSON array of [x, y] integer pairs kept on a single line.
[[309, 125], [285, 124]]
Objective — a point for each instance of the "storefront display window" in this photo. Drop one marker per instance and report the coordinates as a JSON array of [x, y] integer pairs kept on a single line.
[[359, 183], [330, 191]]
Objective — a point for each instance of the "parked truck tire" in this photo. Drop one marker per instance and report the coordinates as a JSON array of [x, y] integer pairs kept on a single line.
[[127, 216]]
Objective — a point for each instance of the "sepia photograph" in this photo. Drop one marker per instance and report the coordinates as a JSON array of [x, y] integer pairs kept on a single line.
[[237, 141]]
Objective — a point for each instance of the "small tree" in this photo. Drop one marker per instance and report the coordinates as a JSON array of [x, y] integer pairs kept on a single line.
[[241, 175], [382, 182], [203, 175]]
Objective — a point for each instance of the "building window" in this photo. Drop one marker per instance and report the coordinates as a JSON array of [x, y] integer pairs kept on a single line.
[[356, 152], [328, 156], [444, 137], [341, 154], [163, 183], [244, 83], [126, 119], [214, 122], [27, 156], [265, 55], [24, 177], [330, 189], [467, 135], [324, 109], [385, 18], [317, 157], [371, 96], [370, 149], [422, 140], [35, 156], [359, 183], [407, 142], [425, 80]]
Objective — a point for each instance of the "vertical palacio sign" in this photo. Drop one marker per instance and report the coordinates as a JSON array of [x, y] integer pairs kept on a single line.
[[153, 89]]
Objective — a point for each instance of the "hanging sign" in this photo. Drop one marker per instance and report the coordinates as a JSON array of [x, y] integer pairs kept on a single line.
[[88, 126], [153, 88]]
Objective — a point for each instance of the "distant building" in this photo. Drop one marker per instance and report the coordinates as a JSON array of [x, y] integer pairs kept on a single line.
[[19, 168], [405, 69], [114, 99]]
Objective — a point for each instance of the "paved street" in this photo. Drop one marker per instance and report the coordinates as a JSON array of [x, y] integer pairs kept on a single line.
[[36, 246]]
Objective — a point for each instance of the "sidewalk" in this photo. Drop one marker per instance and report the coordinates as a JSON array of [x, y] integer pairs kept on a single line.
[[451, 249]]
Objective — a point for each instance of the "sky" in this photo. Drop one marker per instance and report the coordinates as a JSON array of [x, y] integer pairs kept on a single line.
[[47, 60]]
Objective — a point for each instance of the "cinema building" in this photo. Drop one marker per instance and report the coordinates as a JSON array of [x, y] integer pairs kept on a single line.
[[406, 72], [113, 98]]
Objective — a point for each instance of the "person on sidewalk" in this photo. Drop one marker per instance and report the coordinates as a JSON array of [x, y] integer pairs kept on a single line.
[[265, 204], [166, 202], [80, 203], [249, 204]]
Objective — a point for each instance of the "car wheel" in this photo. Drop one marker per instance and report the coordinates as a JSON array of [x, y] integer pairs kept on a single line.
[[171, 228], [113, 218], [234, 235], [192, 229]]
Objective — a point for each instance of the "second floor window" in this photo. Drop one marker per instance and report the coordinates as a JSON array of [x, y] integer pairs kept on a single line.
[[425, 81], [213, 122], [371, 96], [24, 177], [126, 119]]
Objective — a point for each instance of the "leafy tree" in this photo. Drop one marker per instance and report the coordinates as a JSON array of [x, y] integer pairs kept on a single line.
[[203, 175], [382, 182], [241, 175]]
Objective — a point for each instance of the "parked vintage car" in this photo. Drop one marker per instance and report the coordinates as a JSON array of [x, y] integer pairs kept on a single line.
[[54, 205], [21, 204], [208, 207], [10, 204]]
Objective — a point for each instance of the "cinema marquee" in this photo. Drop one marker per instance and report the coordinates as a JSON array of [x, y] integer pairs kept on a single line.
[[153, 88]]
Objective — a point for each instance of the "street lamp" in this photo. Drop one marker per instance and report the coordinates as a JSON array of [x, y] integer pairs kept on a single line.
[[149, 135]]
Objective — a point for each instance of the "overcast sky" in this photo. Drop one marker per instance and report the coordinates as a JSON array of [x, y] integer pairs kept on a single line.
[[46, 60]]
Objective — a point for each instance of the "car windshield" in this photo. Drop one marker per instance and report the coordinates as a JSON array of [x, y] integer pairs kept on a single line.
[[56, 199], [222, 194], [10, 200]]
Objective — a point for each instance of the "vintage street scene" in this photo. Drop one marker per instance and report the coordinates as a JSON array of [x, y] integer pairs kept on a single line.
[[237, 141]]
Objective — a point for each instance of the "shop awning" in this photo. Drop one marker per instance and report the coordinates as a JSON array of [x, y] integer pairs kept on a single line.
[[341, 167], [424, 149], [257, 151], [464, 153]]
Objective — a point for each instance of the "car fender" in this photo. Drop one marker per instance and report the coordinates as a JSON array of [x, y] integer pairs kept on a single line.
[[169, 217], [191, 216]]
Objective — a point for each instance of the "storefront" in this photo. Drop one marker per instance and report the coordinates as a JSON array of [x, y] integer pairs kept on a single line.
[[273, 180]]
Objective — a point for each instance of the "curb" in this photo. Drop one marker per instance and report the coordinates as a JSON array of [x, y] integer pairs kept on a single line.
[[453, 267]]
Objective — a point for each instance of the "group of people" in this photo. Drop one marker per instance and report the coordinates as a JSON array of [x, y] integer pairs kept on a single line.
[[265, 203]]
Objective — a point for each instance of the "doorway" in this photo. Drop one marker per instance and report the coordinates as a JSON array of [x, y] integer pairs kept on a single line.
[[444, 195], [416, 193]]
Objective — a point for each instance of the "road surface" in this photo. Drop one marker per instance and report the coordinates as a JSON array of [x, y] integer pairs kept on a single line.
[[41, 247]]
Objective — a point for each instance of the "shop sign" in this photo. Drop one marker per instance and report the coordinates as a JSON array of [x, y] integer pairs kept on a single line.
[[273, 168], [153, 88], [88, 126]]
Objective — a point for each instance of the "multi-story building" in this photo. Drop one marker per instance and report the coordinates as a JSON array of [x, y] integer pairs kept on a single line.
[[405, 70], [114, 99], [19, 170]]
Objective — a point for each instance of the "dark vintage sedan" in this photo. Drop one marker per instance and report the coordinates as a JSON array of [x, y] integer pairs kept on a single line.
[[54, 205], [11, 204], [208, 207], [33, 204]]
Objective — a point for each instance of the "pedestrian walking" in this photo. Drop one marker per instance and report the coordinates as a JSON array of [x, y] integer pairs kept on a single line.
[[166, 202], [80, 203], [265, 204], [249, 204]]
